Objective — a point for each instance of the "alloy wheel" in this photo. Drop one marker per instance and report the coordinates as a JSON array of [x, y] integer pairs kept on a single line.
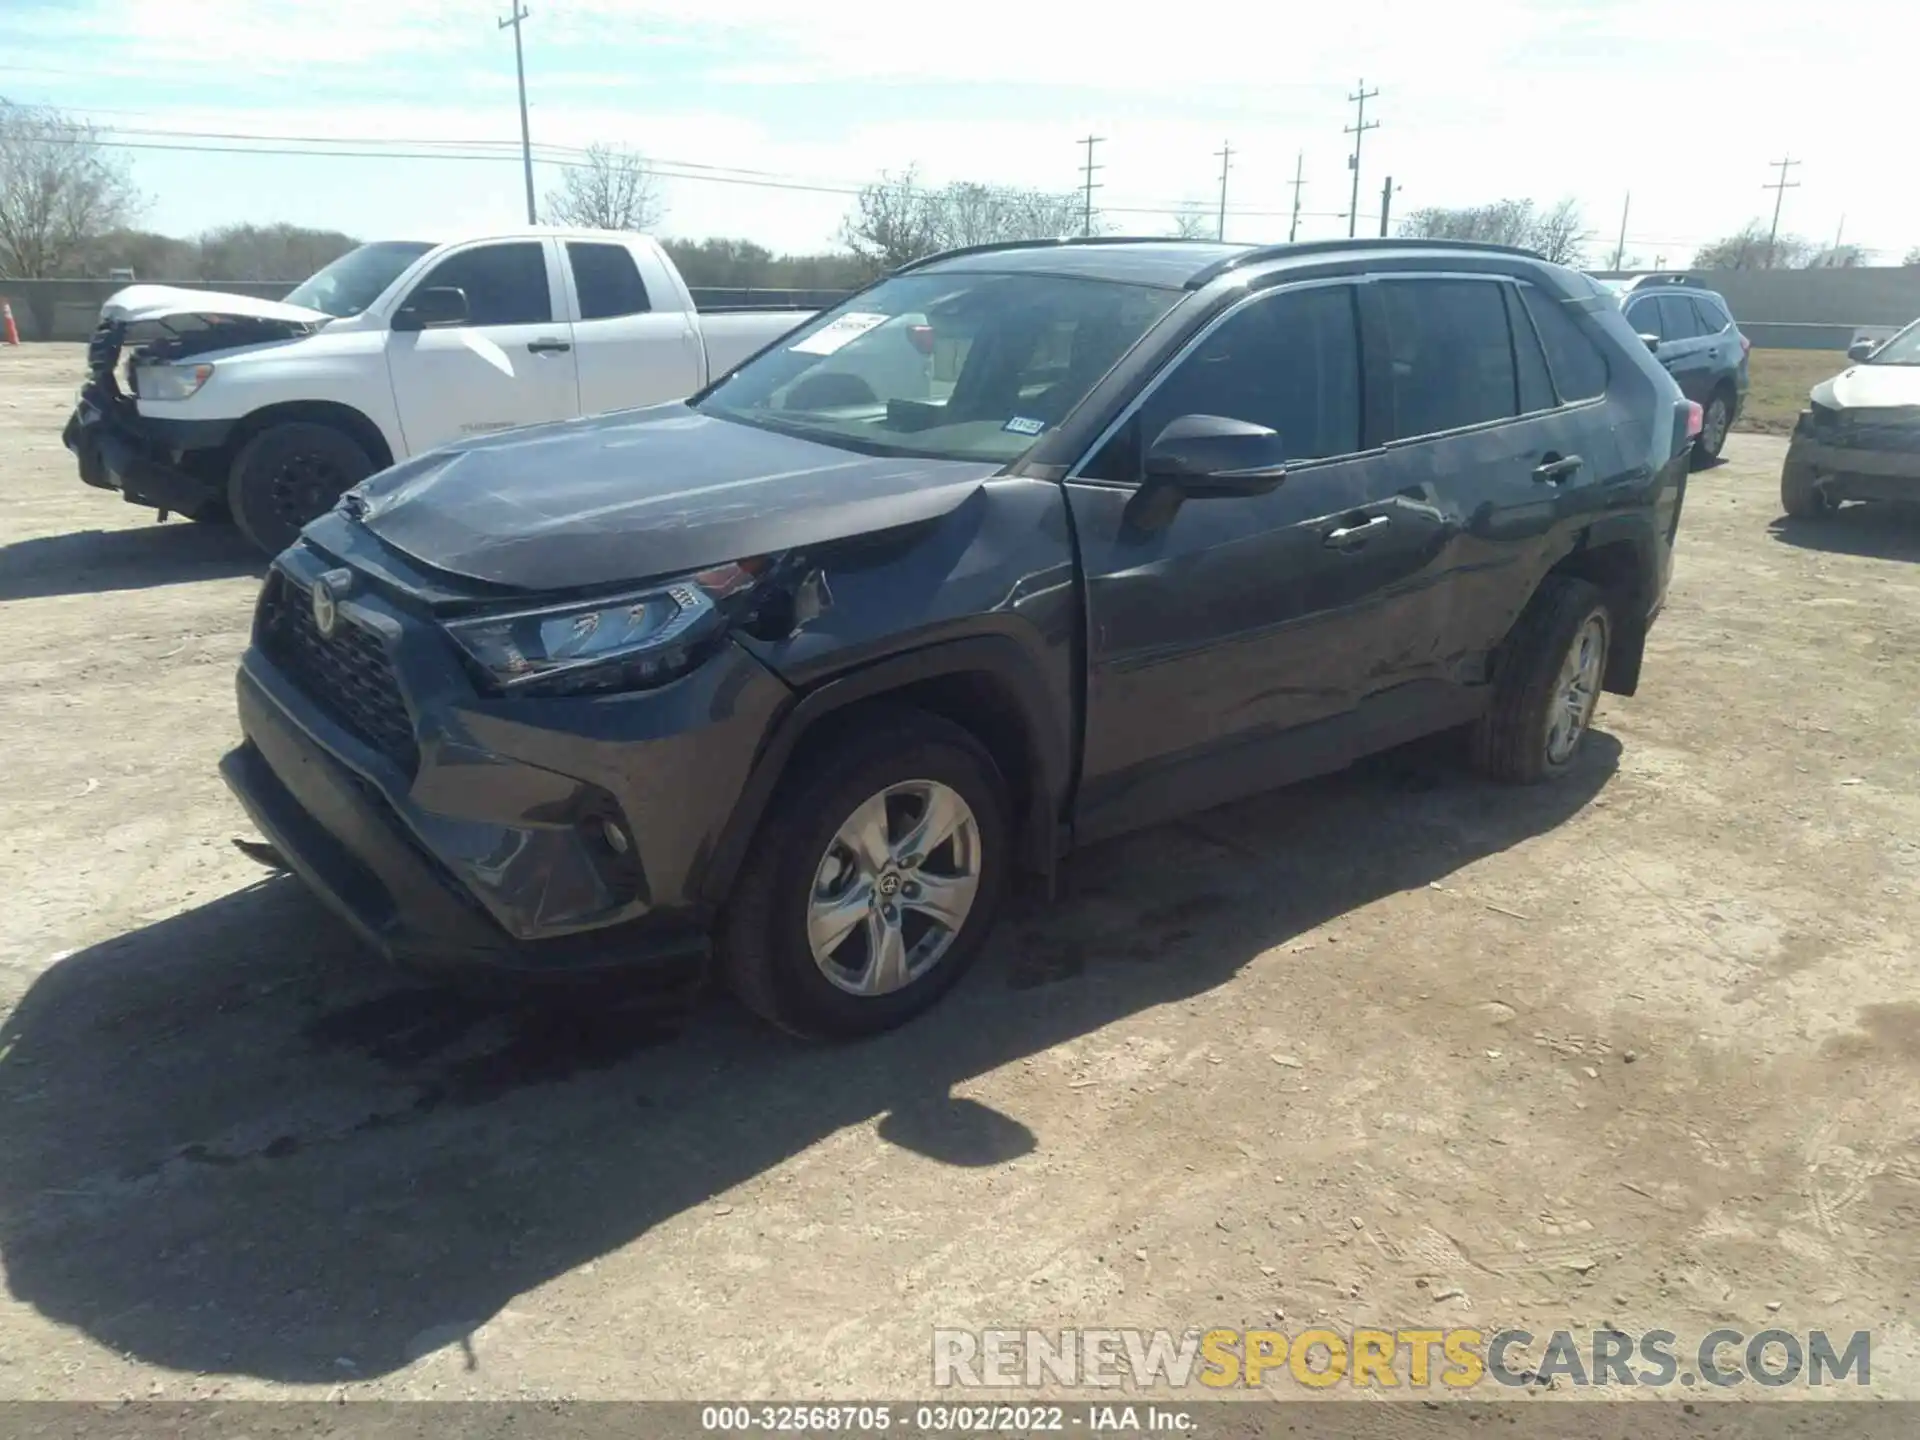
[[1577, 690]]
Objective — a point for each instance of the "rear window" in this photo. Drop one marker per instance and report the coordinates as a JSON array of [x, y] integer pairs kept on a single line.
[[1713, 316], [607, 280], [1450, 355], [1579, 366]]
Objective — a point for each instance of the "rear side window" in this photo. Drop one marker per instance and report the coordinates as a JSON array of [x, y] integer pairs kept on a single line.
[[1712, 318], [1289, 361], [1678, 319], [607, 281], [504, 284], [1578, 365], [1536, 386], [1449, 353]]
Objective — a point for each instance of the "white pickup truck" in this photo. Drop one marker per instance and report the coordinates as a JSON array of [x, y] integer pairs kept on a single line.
[[213, 405]]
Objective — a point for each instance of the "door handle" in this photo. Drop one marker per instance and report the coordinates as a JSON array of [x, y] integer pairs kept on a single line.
[[1348, 537], [1557, 472], [546, 345]]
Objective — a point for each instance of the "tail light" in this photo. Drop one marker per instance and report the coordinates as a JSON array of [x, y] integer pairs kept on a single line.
[[1696, 419], [922, 338], [1745, 346]]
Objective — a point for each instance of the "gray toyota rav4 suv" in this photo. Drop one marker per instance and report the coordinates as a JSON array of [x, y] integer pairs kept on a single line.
[[796, 676]]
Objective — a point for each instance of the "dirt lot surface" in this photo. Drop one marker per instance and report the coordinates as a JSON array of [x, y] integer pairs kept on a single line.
[[1398, 1047]]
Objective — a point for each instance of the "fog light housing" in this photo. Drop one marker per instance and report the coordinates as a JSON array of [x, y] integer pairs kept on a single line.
[[615, 838]]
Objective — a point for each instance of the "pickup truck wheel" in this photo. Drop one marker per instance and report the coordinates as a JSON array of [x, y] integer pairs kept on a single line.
[[873, 883], [1547, 685], [1800, 496], [288, 475]]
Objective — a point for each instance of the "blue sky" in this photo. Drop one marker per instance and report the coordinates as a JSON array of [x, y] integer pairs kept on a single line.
[[1479, 100]]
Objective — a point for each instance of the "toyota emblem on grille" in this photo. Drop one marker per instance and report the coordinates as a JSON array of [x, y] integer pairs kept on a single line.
[[327, 591]]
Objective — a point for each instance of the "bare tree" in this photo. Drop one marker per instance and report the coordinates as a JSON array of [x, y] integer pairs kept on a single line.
[[1912, 257], [59, 192], [1751, 247], [1559, 234], [1194, 221], [892, 222], [613, 188], [1837, 257]]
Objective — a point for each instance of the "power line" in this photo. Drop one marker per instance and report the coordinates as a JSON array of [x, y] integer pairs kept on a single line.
[[1359, 131], [520, 72], [1086, 224], [1779, 188]]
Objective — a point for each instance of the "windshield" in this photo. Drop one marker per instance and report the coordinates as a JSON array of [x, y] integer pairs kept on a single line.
[[357, 278], [958, 366], [1902, 349]]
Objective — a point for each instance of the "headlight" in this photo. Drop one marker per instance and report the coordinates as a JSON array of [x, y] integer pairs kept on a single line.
[[169, 382], [624, 642]]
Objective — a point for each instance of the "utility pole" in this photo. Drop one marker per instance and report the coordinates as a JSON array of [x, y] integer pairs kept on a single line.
[[1386, 204], [1225, 152], [520, 13], [1779, 188], [1293, 229], [1086, 223], [1358, 131], [1620, 250], [1838, 231]]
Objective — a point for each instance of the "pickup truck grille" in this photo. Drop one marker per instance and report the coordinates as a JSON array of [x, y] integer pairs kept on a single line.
[[347, 674]]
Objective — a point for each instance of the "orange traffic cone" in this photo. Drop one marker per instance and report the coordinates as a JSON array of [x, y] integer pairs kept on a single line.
[[6, 316]]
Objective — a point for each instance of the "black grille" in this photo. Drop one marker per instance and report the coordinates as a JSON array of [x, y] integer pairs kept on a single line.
[[347, 674]]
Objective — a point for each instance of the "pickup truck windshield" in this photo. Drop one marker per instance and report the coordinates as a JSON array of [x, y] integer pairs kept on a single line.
[[962, 366], [1902, 349], [357, 278]]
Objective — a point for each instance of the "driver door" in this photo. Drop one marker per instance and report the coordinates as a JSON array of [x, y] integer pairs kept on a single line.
[[511, 363], [1227, 649]]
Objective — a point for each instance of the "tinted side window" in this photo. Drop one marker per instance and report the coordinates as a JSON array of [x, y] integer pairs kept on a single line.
[[1712, 319], [607, 280], [1536, 387], [1290, 362], [1678, 321], [1450, 355], [1579, 368], [1645, 319], [504, 284]]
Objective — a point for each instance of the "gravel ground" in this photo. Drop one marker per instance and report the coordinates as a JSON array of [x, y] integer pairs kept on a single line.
[[1397, 1047]]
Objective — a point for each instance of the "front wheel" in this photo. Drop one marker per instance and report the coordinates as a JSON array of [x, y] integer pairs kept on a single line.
[[1548, 684], [1715, 421], [1800, 494], [288, 475], [872, 885]]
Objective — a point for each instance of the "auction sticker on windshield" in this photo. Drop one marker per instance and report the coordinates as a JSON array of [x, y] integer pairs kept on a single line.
[[847, 328]]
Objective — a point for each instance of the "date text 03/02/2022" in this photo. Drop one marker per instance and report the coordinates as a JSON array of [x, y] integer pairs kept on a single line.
[[941, 1419]]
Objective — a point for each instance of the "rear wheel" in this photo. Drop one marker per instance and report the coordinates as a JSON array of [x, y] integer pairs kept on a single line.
[[1715, 421], [1548, 684], [288, 475], [1800, 494], [872, 885]]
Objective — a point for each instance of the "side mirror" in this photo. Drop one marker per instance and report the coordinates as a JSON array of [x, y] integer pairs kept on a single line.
[[1211, 455], [1861, 350], [432, 307], [1652, 342]]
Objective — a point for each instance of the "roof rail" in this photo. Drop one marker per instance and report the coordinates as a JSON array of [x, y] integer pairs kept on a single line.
[[1664, 277], [1325, 247], [990, 247]]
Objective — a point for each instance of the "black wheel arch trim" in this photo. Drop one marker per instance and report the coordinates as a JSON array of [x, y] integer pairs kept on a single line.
[[1001, 659]]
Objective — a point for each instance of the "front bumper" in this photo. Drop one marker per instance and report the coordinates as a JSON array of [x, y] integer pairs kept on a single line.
[[1859, 461], [478, 838], [145, 459]]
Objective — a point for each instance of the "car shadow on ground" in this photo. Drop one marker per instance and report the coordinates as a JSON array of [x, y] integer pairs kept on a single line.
[[96, 561], [235, 1145], [1874, 532]]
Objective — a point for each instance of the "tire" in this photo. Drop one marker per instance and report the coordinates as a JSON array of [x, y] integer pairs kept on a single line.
[[1800, 497], [799, 860], [1715, 422], [1519, 738], [288, 475]]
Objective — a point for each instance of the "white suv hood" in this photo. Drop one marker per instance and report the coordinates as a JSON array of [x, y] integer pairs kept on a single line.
[[164, 302], [1871, 387]]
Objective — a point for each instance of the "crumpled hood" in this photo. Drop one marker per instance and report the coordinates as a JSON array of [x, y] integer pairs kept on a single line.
[[639, 494], [1870, 387], [139, 303]]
